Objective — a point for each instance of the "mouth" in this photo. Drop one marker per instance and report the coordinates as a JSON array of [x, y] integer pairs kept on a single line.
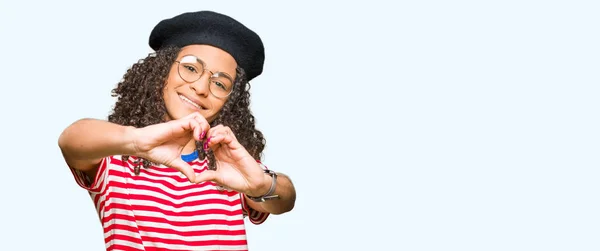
[[189, 101]]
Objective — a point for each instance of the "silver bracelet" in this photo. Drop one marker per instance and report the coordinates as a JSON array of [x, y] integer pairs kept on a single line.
[[269, 195]]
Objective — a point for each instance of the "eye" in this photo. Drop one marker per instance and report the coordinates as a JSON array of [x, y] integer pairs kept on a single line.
[[220, 85], [190, 68]]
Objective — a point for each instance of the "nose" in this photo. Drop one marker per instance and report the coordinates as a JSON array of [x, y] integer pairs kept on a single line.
[[200, 86]]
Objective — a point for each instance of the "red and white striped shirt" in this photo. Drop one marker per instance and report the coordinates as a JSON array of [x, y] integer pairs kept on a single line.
[[159, 209]]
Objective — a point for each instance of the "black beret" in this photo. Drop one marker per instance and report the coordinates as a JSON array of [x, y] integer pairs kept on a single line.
[[211, 28]]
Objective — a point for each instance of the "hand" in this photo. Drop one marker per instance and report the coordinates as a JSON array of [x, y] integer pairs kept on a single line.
[[163, 143], [236, 168]]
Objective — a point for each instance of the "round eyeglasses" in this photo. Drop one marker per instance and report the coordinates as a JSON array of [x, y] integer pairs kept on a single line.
[[191, 68]]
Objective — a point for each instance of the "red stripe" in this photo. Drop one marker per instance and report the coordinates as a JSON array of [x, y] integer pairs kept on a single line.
[[121, 227], [187, 223], [152, 177], [163, 249], [100, 173], [195, 243], [79, 178], [121, 206], [260, 218], [117, 237], [100, 192], [219, 232], [122, 247], [255, 216], [195, 164], [163, 172], [182, 204], [196, 192], [122, 237], [160, 179], [176, 232]]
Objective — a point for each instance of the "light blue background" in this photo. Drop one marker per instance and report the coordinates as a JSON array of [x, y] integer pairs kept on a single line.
[[411, 125]]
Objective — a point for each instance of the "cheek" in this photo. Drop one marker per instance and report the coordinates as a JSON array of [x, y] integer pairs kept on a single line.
[[172, 80], [172, 84], [169, 89], [219, 104]]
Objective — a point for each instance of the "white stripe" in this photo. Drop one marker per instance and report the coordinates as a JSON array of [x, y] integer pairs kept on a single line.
[[196, 198], [102, 176], [176, 236], [176, 228], [187, 247], [124, 243], [100, 200], [187, 188], [203, 206], [156, 171], [196, 165], [161, 170], [184, 197], [79, 177], [134, 235], [199, 217], [153, 181], [193, 228]]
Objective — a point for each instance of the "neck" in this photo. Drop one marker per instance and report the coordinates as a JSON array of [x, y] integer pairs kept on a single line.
[[190, 147]]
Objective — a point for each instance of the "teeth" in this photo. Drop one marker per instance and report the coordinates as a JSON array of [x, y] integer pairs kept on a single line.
[[189, 101]]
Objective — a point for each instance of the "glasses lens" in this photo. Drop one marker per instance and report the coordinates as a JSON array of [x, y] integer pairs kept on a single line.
[[220, 85], [190, 69]]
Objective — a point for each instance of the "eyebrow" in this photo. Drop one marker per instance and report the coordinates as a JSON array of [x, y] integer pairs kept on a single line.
[[206, 68]]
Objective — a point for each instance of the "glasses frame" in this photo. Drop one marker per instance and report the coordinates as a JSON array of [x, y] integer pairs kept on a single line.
[[202, 73]]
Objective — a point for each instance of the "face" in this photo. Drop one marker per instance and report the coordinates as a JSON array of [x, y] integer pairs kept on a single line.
[[199, 81]]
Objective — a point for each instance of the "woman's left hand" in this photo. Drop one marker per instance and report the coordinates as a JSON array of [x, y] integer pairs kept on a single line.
[[236, 168]]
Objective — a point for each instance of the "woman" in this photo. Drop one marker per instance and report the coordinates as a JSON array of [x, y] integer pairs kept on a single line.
[[177, 164]]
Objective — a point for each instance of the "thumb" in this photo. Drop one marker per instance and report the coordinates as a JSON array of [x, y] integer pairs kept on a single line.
[[206, 175], [184, 168]]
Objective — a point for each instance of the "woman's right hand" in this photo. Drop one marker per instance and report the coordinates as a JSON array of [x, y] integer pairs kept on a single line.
[[163, 143]]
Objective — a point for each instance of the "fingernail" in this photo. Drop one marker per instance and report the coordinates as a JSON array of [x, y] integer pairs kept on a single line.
[[205, 146], [207, 141], [202, 135]]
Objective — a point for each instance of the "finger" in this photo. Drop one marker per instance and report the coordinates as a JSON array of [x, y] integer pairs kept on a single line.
[[192, 115], [184, 168], [228, 131], [220, 130], [195, 126], [202, 125], [213, 130], [191, 126], [222, 138], [207, 175], [223, 135]]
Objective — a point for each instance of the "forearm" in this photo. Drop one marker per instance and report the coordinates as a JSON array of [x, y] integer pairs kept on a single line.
[[92, 139], [285, 203]]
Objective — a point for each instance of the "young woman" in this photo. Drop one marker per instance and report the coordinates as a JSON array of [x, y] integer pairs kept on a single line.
[[177, 164]]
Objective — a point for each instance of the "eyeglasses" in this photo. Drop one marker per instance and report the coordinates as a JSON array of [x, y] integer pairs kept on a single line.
[[191, 68]]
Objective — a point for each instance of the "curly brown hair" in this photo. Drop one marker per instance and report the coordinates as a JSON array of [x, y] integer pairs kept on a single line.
[[140, 103]]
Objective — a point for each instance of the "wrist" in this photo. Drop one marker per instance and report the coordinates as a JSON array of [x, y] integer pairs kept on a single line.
[[269, 195], [129, 135], [263, 188]]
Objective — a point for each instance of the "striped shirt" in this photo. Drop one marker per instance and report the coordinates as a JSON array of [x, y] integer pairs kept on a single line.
[[159, 209]]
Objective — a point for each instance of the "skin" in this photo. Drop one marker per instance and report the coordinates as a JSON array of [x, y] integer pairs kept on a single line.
[[87, 141]]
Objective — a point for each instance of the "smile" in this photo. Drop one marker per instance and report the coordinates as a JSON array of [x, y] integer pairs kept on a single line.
[[190, 102]]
